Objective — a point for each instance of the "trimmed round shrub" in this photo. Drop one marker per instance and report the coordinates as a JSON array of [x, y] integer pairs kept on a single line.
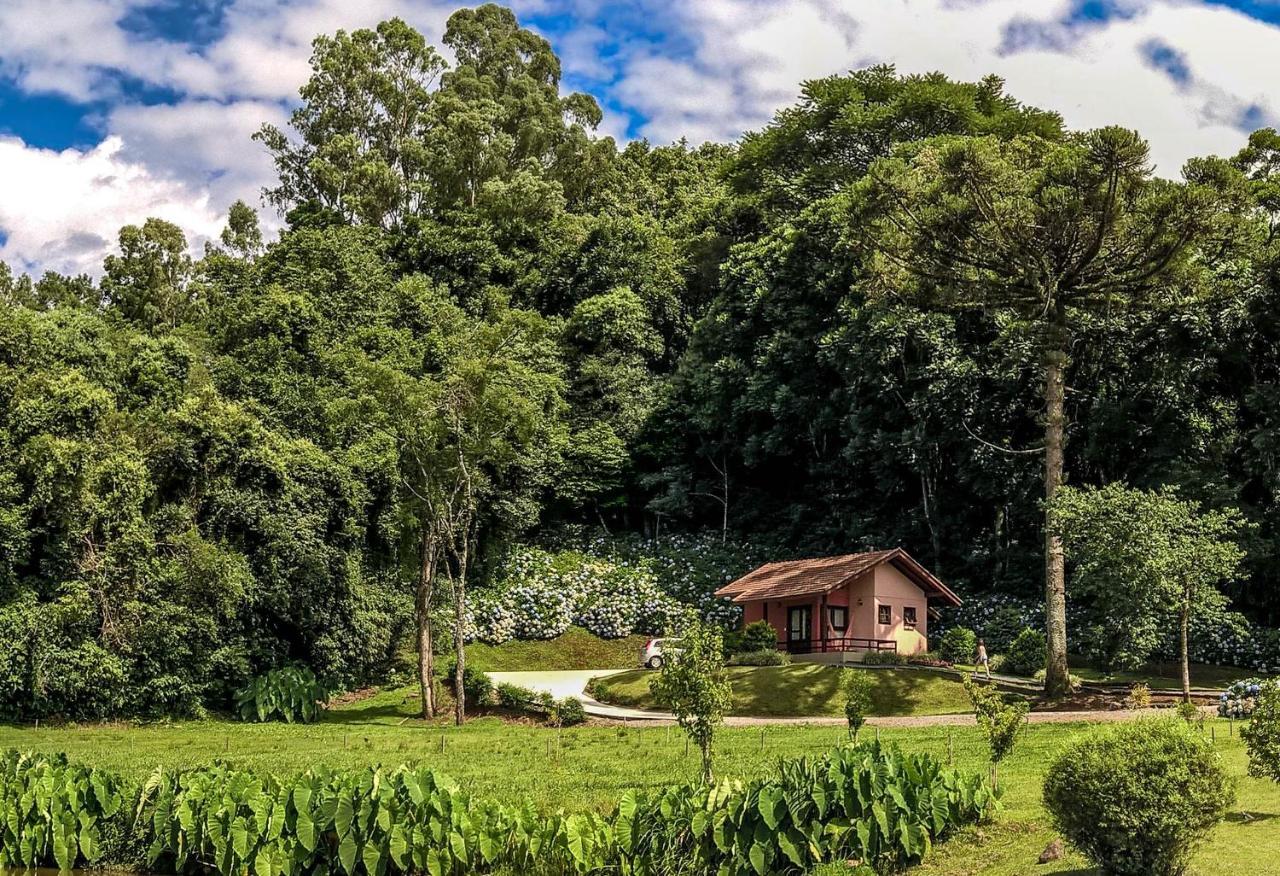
[[568, 712], [1136, 798], [758, 636], [1026, 655], [959, 645], [1000, 628], [1262, 734]]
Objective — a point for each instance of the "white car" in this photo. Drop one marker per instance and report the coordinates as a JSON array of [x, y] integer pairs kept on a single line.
[[653, 649]]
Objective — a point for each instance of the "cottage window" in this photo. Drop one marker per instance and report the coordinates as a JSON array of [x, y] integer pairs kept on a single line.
[[839, 617], [886, 614], [909, 616]]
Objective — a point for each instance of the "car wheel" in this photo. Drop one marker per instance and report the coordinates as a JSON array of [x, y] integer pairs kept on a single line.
[[655, 662]]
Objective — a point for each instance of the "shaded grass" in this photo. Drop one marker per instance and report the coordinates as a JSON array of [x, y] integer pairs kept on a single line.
[[807, 690], [1158, 676], [589, 768], [1168, 676], [576, 649]]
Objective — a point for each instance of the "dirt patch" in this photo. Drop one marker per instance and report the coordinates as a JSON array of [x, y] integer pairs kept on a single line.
[[352, 696]]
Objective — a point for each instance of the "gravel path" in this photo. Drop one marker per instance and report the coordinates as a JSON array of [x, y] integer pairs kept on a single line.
[[571, 683]]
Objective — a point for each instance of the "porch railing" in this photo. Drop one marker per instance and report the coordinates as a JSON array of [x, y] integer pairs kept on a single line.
[[844, 643]]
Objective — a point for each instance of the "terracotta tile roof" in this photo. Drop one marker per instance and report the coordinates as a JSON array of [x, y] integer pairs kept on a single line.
[[824, 574]]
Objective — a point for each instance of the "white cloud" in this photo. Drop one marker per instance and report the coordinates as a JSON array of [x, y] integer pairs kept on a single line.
[[62, 210], [202, 142], [751, 57]]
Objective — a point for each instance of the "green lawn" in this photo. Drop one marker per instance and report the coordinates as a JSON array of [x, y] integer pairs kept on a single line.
[[576, 649], [807, 690], [589, 767]]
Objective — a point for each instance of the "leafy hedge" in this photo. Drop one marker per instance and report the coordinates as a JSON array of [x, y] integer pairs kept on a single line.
[[875, 804]]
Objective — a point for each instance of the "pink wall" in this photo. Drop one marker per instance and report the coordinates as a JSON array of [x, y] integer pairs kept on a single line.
[[896, 590]]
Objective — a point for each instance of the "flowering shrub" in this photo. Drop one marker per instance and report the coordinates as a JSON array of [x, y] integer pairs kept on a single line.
[[687, 567], [996, 618], [612, 587], [1227, 639], [1239, 699], [1232, 640]]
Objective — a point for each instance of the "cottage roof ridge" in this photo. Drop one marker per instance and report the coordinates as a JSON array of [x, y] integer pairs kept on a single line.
[[801, 577]]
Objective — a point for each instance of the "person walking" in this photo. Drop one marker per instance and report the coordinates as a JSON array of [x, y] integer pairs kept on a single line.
[[984, 663]]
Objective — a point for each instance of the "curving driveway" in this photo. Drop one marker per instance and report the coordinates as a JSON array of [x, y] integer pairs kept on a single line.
[[562, 683]]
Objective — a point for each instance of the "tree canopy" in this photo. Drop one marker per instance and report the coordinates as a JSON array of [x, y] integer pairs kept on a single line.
[[864, 325]]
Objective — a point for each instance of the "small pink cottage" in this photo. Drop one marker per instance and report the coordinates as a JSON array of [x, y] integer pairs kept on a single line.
[[843, 606]]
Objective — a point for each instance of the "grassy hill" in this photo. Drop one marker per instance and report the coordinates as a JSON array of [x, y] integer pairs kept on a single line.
[[806, 690], [576, 649]]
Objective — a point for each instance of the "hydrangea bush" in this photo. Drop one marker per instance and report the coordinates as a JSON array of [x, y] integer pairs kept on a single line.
[[612, 587], [1228, 639], [1239, 700]]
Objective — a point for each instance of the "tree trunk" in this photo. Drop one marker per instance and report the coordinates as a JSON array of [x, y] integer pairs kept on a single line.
[[460, 655], [422, 606], [1057, 681], [1186, 661], [459, 643]]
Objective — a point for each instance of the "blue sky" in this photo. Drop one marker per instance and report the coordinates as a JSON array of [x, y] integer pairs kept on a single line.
[[113, 110]]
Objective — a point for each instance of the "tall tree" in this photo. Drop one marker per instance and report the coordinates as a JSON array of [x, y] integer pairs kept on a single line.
[[1053, 232], [1148, 558], [363, 125], [386, 132], [149, 282], [481, 430]]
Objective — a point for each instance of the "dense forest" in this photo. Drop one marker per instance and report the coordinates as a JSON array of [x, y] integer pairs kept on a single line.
[[483, 324]]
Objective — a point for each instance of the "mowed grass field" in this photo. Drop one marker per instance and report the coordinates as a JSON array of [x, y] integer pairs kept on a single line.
[[590, 766], [807, 690]]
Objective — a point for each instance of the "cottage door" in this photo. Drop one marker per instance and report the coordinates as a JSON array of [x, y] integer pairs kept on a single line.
[[799, 628]]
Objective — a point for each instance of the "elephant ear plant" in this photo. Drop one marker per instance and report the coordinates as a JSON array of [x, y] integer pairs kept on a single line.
[[291, 693], [56, 813]]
